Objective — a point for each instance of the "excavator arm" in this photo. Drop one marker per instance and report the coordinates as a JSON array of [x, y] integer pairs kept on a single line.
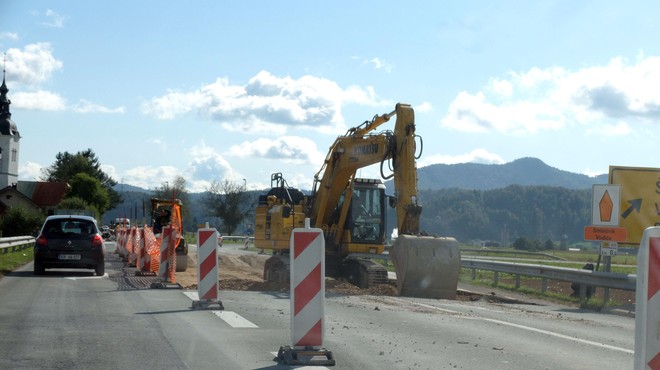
[[360, 148]]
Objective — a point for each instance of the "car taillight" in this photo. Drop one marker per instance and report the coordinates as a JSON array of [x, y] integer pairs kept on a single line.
[[42, 240], [97, 241]]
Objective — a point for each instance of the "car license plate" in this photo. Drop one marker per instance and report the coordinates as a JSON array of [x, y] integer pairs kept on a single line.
[[69, 256]]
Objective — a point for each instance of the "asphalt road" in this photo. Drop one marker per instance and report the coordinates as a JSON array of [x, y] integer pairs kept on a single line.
[[74, 320]]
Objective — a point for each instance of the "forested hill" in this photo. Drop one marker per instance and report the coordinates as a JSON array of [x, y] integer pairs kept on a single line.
[[523, 171]]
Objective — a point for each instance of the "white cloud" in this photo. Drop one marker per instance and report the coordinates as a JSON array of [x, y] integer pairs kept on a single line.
[[8, 36], [615, 130], [30, 171], [424, 107], [476, 156], [88, 107], [555, 98], [267, 103], [289, 149], [32, 65], [54, 20], [148, 177], [379, 63], [39, 100]]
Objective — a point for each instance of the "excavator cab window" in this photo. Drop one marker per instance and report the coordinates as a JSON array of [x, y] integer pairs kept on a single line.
[[367, 215]]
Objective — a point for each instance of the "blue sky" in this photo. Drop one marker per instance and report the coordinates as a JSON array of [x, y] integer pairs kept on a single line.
[[214, 90]]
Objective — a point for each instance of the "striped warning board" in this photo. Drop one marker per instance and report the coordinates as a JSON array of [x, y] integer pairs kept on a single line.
[[207, 257], [164, 260], [307, 251], [307, 287], [647, 312]]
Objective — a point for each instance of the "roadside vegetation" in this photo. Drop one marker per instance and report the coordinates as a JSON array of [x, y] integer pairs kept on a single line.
[[13, 260]]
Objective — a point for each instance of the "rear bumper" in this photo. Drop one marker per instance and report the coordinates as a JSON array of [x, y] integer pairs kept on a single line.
[[50, 259]]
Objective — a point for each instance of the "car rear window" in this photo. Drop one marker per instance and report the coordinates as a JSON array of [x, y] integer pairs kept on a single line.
[[69, 227]]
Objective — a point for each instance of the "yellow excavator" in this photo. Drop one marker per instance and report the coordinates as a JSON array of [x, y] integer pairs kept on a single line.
[[351, 212]]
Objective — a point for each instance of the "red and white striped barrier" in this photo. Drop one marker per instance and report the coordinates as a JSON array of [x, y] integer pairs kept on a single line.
[[307, 287], [207, 269], [307, 251], [143, 257], [647, 302], [163, 267]]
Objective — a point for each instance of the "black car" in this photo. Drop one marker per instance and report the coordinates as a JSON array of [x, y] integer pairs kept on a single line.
[[69, 241]]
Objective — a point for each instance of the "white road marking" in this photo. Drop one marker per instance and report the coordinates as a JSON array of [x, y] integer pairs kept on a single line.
[[86, 277], [558, 335], [232, 318], [524, 327]]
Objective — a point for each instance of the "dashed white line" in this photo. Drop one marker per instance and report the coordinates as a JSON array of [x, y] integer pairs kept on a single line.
[[234, 320], [231, 318]]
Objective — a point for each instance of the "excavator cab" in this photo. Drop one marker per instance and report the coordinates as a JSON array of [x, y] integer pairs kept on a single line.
[[366, 219]]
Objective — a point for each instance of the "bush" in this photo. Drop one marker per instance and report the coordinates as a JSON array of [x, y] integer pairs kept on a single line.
[[19, 222]]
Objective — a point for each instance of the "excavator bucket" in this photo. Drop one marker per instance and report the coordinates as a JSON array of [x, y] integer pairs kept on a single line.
[[426, 267]]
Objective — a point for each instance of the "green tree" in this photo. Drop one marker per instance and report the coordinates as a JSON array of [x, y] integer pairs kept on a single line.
[[91, 191], [549, 245], [522, 244], [74, 203], [224, 200], [18, 222], [67, 165]]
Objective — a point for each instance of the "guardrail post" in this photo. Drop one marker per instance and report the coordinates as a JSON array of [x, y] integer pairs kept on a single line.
[[474, 274], [496, 278], [544, 285]]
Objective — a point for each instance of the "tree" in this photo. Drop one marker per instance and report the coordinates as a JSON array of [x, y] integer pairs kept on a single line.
[[91, 191], [67, 165], [223, 200], [18, 221], [73, 203]]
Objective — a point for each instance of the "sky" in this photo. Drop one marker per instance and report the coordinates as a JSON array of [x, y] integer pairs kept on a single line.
[[217, 90]]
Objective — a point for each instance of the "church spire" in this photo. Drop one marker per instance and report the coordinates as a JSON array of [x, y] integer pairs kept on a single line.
[[3, 88], [7, 126]]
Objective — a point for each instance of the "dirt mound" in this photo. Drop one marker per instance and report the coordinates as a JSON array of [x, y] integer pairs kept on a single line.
[[245, 272]]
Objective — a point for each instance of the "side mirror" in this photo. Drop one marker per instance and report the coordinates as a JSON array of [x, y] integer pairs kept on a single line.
[[391, 201]]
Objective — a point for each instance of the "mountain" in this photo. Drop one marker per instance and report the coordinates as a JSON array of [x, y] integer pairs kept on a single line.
[[523, 171]]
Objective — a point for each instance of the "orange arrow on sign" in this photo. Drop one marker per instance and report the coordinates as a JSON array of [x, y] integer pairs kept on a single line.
[[605, 206], [607, 233]]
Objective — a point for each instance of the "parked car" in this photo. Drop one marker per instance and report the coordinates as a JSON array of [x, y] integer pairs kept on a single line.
[[69, 241]]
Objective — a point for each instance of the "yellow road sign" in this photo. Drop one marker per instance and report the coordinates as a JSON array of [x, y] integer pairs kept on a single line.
[[640, 199]]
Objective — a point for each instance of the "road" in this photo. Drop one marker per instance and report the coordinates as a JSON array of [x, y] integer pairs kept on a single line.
[[74, 320]]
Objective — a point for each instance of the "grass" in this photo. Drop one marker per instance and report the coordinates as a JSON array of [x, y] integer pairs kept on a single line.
[[10, 261]]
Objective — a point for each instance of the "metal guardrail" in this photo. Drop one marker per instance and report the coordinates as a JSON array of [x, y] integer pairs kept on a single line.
[[586, 277], [514, 253], [15, 243], [237, 237]]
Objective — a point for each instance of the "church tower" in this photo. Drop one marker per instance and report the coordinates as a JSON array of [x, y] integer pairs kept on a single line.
[[9, 140]]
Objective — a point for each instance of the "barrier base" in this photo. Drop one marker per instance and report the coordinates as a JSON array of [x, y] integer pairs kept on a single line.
[[307, 356], [145, 273], [207, 304], [165, 285]]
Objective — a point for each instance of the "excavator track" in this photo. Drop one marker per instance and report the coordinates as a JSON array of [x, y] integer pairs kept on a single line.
[[364, 273]]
